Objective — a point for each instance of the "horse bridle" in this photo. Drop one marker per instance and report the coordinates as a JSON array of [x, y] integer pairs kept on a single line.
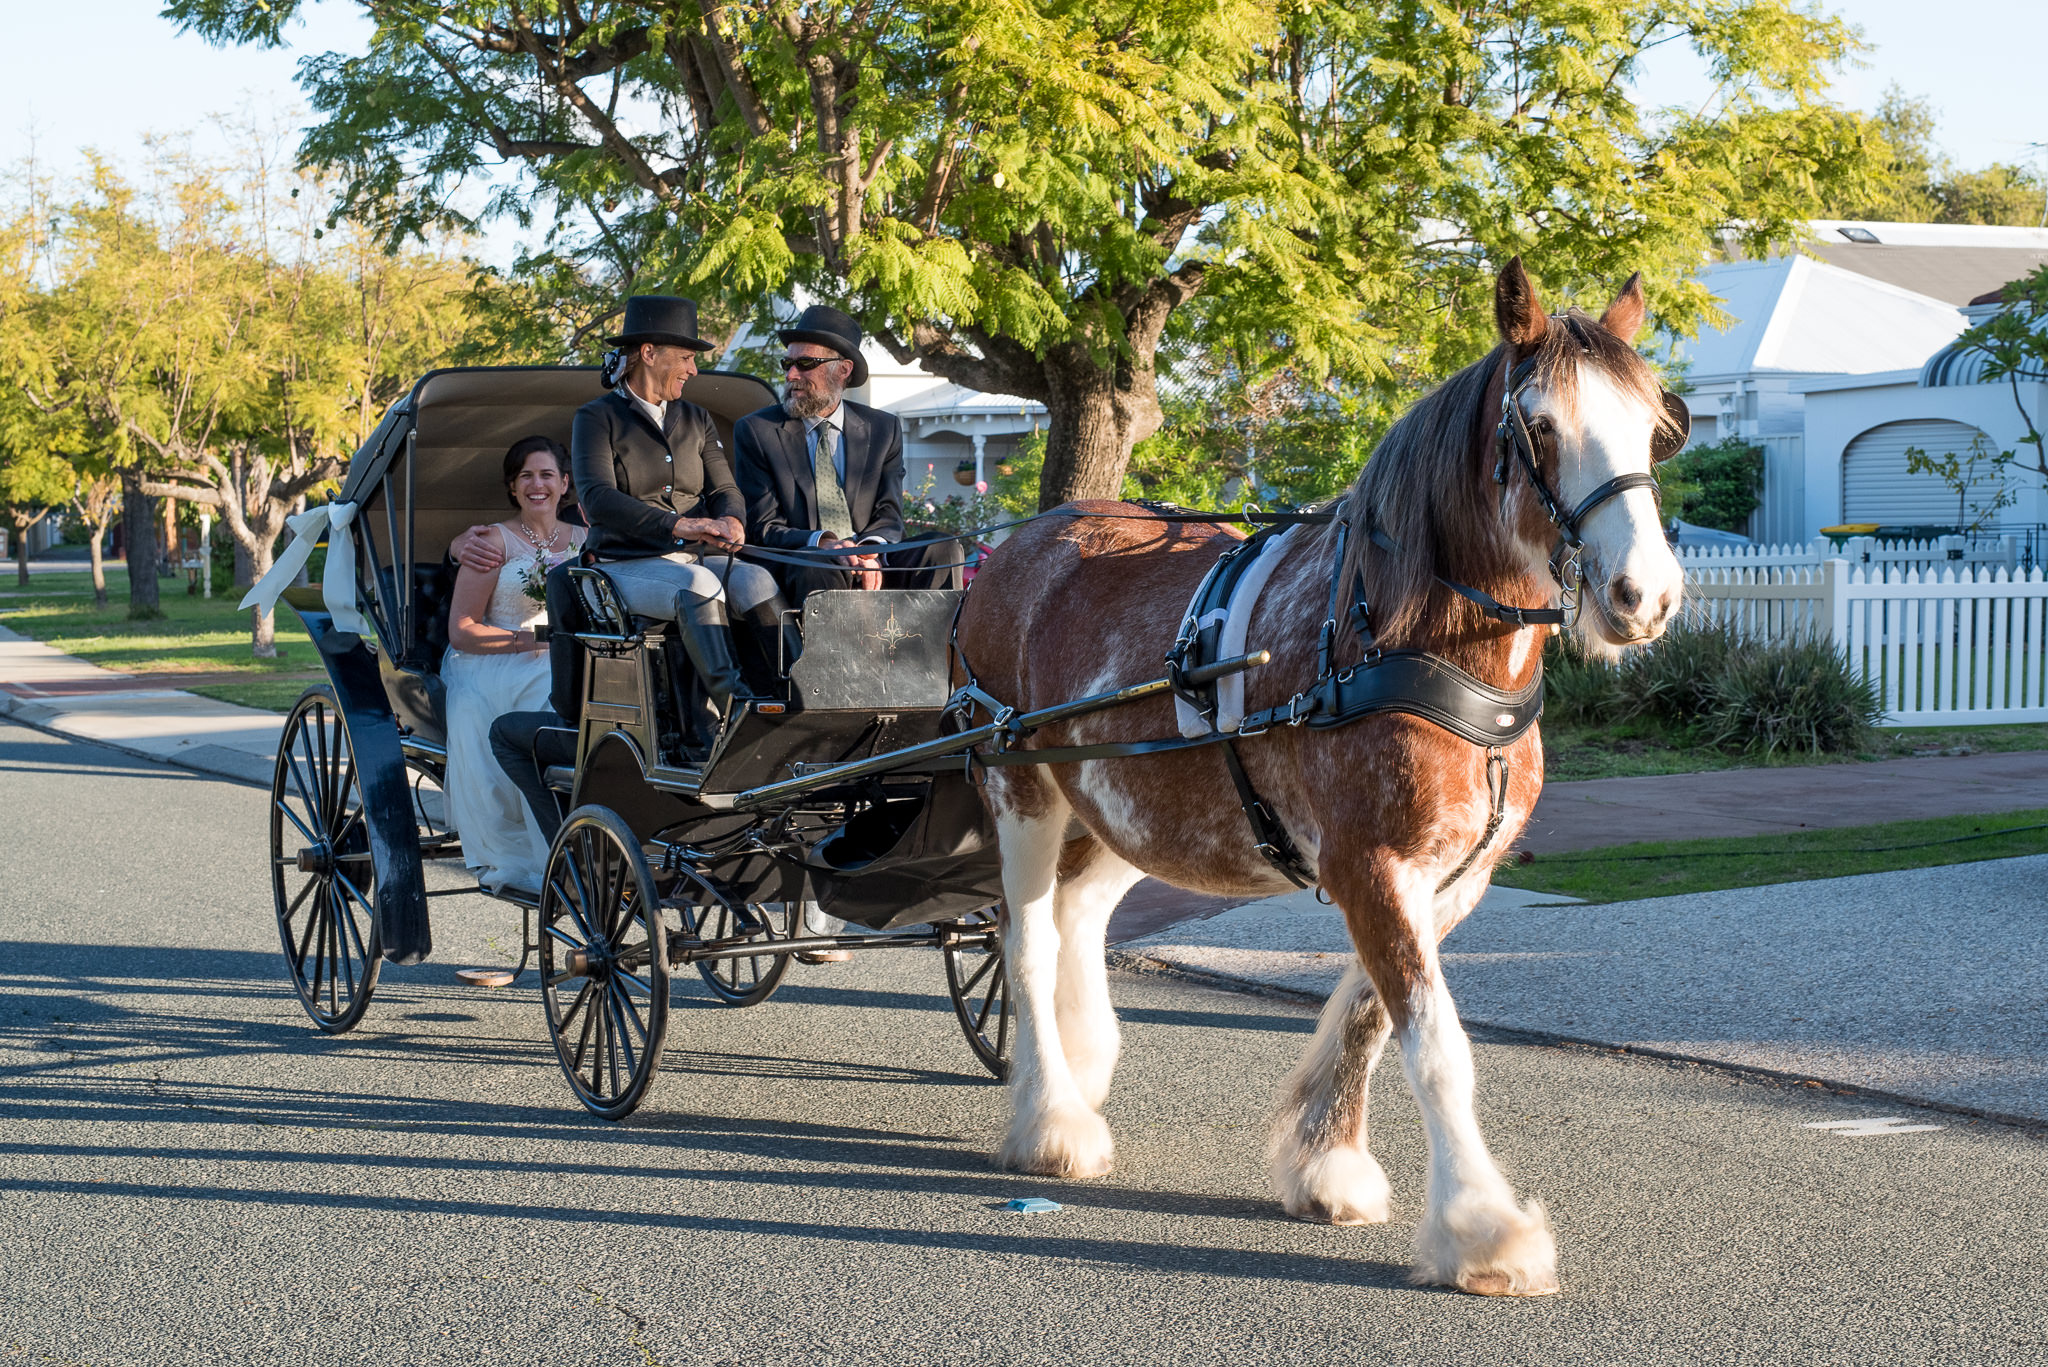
[[1514, 441]]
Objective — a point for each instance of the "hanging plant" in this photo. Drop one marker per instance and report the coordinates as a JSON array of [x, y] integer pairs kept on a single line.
[[963, 473]]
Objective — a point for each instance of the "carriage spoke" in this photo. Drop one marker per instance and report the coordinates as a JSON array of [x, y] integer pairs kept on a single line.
[[974, 978], [305, 945], [293, 817], [589, 991], [988, 1003], [623, 1042], [355, 932]]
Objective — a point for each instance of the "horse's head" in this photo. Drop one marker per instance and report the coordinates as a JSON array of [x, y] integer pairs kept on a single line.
[[1582, 420]]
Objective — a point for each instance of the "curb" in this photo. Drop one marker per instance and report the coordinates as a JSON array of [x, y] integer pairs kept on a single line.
[[215, 761], [1123, 960]]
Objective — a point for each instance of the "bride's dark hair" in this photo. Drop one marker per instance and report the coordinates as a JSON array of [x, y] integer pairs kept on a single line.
[[516, 458]]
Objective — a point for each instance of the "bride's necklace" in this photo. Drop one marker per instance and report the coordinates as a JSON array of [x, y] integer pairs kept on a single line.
[[539, 546]]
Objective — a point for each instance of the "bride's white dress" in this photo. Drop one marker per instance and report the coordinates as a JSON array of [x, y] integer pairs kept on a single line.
[[500, 842]]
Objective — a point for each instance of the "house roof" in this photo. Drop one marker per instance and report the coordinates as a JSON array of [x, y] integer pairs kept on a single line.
[[949, 400], [1953, 262], [1797, 316], [1958, 365]]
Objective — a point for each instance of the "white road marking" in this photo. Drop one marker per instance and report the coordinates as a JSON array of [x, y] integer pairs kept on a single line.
[[1869, 1126]]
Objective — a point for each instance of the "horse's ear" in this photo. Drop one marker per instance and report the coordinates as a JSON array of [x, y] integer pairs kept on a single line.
[[1516, 311], [1624, 317]]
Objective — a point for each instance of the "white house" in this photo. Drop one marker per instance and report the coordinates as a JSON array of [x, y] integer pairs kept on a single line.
[[1858, 429], [1866, 311]]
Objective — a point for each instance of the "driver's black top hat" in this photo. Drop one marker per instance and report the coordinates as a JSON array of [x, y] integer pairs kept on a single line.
[[828, 327], [664, 319]]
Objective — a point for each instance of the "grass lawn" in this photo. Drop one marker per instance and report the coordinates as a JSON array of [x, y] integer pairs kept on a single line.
[[270, 695], [1667, 868], [1633, 749], [195, 635]]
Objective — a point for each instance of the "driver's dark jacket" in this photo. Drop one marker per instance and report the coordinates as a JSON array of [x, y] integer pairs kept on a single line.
[[634, 482]]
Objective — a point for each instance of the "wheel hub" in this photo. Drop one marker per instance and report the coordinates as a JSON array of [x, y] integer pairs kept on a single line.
[[317, 859]]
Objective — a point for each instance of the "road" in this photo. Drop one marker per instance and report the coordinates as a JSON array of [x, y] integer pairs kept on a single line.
[[190, 1174]]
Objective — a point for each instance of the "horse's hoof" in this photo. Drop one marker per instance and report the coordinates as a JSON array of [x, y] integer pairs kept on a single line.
[[1069, 1142], [1489, 1248], [1500, 1284], [1339, 1187]]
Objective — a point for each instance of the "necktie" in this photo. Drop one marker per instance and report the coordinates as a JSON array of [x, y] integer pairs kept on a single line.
[[833, 514]]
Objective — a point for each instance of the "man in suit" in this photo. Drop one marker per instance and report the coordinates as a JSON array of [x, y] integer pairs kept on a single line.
[[820, 470]]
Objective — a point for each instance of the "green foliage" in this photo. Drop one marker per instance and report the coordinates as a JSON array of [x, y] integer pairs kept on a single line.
[[1275, 442], [1918, 184], [1797, 696], [1716, 485], [1708, 686], [1035, 199], [2014, 345], [1976, 477]]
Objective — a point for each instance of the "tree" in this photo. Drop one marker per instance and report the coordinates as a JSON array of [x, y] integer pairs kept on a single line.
[[2014, 345], [96, 502], [1920, 184], [33, 484], [1026, 198]]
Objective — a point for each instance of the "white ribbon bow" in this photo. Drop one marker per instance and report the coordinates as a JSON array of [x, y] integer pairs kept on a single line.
[[337, 584]]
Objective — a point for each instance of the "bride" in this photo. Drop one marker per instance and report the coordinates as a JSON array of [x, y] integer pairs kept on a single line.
[[495, 664]]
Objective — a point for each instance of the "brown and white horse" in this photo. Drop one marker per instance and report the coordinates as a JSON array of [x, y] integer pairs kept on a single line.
[[1384, 809]]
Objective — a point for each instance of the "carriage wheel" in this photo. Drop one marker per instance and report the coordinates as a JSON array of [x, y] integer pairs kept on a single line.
[[745, 981], [980, 988], [320, 867], [603, 962]]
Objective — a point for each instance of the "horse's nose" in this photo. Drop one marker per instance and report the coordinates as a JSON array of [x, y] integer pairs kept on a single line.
[[1625, 594]]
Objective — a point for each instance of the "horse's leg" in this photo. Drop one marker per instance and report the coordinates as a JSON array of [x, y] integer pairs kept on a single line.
[[1054, 1129], [1473, 1234], [1318, 1154], [1092, 881]]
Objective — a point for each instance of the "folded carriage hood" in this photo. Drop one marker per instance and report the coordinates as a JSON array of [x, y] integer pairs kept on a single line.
[[463, 420]]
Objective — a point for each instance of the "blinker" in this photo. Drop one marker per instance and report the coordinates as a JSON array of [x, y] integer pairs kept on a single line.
[[1669, 438]]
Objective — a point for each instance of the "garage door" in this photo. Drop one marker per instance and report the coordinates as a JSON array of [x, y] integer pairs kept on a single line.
[[1876, 486]]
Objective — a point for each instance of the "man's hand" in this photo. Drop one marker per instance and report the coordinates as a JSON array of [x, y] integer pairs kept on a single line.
[[864, 570], [478, 550]]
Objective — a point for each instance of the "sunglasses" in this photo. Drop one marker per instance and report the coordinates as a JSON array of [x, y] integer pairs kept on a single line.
[[805, 363]]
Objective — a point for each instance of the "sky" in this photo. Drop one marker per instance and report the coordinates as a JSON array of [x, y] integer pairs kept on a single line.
[[125, 72]]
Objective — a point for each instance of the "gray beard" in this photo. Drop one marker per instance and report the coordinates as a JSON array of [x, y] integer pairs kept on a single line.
[[812, 403]]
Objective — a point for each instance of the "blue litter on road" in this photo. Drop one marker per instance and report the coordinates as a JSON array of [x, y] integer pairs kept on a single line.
[[1031, 1205]]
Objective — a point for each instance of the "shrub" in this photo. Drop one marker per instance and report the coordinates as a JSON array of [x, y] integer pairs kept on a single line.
[[1707, 685], [1672, 681], [1795, 696], [1577, 690], [1714, 485]]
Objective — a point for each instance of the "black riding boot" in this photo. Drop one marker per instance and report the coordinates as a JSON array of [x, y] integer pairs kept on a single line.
[[707, 638], [774, 638]]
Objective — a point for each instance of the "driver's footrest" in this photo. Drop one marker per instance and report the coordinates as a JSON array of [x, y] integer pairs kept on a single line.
[[560, 777]]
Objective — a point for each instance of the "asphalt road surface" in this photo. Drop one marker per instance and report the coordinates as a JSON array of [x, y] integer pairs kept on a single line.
[[189, 1173]]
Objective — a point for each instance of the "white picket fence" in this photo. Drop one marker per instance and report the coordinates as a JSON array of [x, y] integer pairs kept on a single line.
[[1862, 550], [1947, 646]]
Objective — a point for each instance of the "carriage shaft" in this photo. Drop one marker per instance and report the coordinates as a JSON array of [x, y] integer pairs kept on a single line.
[[1013, 728]]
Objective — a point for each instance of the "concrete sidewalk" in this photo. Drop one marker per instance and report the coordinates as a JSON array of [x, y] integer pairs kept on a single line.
[[47, 688], [1929, 984]]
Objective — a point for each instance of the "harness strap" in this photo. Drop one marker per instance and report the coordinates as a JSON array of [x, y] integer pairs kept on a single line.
[[1487, 603], [1497, 798], [1269, 834]]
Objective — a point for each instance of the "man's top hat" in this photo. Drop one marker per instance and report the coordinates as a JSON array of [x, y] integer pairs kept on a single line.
[[660, 318], [828, 327]]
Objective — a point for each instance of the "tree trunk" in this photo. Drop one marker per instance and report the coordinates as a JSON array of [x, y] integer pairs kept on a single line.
[[245, 576], [21, 555], [99, 566], [1095, 415], [262, 621], [168, 566], [138, 511]]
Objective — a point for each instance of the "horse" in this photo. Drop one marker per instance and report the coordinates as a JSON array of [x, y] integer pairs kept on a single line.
[[1388, 811]]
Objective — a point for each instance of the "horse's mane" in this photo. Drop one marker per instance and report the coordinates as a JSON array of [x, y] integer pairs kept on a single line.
[[1428, 484]]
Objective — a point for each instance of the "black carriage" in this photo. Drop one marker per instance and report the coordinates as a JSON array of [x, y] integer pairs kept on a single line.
[[844, 787]]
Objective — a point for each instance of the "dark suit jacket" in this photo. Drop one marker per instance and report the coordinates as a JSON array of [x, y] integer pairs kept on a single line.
[[773, 462], [633, 482]]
